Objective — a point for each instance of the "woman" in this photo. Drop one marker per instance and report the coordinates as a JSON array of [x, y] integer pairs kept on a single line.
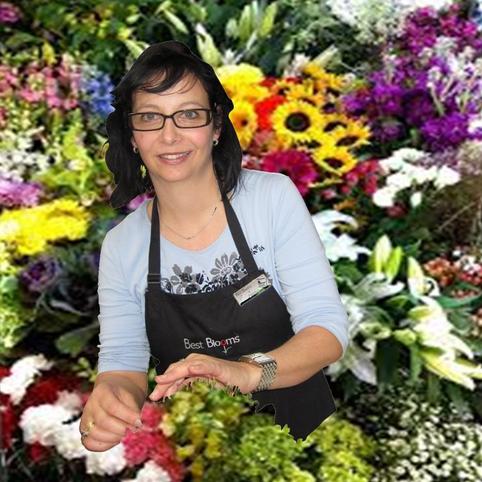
[[180, 277]]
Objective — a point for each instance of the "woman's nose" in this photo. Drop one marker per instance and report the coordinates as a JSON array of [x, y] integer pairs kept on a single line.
[[169, 132]]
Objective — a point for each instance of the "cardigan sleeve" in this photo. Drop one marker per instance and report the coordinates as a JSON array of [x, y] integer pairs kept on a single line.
[[304, 272], [123, 339]]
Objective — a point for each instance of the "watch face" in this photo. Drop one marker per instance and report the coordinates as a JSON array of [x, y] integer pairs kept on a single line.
[[263, 358]]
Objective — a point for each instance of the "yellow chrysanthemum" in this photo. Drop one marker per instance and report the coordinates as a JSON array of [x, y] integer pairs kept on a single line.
[[245, 121], [296, 122], [29, 230], [336, 160], [251, 93], [234, 77], [305, 92]]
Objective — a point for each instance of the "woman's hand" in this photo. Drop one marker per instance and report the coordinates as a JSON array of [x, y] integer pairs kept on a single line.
[[196, 365], [113, 408]]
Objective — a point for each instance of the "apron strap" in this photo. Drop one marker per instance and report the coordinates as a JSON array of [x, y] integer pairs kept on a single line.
[[153, 275], [239, 238]]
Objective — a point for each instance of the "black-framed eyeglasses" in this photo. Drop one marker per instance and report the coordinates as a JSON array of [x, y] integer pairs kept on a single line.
[[184, 119]]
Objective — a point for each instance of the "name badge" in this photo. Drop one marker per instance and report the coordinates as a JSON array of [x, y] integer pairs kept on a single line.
[[252, 289]]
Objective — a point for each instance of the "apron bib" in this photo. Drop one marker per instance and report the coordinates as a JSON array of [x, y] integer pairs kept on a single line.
[[213, 323]]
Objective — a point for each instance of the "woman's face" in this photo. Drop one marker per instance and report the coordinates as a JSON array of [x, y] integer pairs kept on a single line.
[[188, 93]]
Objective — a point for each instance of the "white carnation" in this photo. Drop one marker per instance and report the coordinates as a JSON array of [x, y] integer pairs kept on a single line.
[[68, 442], [109, 462], [22, 374], [151, 472], [41, 423], [71, 401], [384, 197]]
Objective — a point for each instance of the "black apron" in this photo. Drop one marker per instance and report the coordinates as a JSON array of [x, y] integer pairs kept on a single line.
[[213, 323]]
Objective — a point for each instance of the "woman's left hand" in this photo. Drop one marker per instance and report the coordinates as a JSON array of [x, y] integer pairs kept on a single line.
[[196, 365]]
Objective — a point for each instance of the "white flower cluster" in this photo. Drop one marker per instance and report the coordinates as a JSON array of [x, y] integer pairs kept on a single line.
[[432, 449], [403, 175], [337, 247], [58, 425], [19, 165], [151, 472], [52, 425], [378, 19], [22, 374]]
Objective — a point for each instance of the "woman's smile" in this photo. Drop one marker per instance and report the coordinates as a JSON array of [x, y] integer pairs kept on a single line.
[[174, 159]]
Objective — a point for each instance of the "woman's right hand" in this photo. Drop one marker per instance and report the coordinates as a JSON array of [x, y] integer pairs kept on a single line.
[[113, 406]]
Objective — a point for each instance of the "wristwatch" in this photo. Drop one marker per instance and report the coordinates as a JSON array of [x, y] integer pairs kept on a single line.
[[267, 363]]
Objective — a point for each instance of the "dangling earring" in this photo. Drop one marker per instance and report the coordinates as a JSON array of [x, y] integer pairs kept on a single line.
[[216, 142], [135, 149]]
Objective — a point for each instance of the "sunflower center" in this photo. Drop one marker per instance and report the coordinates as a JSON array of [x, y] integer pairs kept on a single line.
[[334, 162], [297, 122], [347, 141]]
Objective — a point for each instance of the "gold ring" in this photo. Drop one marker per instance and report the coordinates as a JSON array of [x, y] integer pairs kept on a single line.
[[84, 433]]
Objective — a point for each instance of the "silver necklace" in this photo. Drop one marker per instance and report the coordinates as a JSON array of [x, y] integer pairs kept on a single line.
[[194, 235]]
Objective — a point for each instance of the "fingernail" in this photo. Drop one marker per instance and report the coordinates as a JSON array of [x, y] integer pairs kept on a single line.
[[138, 423]]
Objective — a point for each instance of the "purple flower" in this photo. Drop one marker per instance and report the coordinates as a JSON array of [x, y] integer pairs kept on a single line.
[[388, 98], [9, 13], [444, 132], [418, 107], [385, 130], [18, 193], [40, 274]]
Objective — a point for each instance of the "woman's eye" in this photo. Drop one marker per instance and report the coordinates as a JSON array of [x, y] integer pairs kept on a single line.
[[148, 116], [190, 114]]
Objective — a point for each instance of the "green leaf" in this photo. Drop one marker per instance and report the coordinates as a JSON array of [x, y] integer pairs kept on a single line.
[[416, 363], [135, 47], [457, 397], [177, 22], [268, 20], [73, 342], [447, 302], [387, 361]]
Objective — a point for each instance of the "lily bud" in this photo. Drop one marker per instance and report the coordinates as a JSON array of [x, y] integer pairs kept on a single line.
[[415, 277], [380, 254], [393, 263], [405, 336]]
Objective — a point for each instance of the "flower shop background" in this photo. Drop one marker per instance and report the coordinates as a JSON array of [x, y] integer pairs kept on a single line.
[[373, 108]]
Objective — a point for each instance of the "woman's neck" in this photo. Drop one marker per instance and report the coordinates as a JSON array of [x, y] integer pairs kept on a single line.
[[186, 203]]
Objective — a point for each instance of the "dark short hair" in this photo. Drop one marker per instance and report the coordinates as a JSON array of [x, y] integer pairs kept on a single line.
[[175, 60]]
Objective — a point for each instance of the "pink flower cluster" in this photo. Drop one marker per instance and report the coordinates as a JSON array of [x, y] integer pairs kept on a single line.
[[56, 86]]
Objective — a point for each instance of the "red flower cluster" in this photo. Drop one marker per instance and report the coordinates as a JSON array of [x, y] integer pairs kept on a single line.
[[8, 419], [448, 271], [364, 175], [149, 443]]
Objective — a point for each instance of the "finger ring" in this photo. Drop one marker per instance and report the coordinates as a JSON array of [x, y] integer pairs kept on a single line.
[[84, 433]]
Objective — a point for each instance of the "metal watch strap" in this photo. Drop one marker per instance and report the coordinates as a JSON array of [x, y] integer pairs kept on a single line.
[[269, 369]]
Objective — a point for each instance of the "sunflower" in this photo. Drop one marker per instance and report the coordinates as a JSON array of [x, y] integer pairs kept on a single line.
[[354, 135], [337, 160], [305, 92], [244, 120], [281, 86], [323, 81], [296, 122]]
